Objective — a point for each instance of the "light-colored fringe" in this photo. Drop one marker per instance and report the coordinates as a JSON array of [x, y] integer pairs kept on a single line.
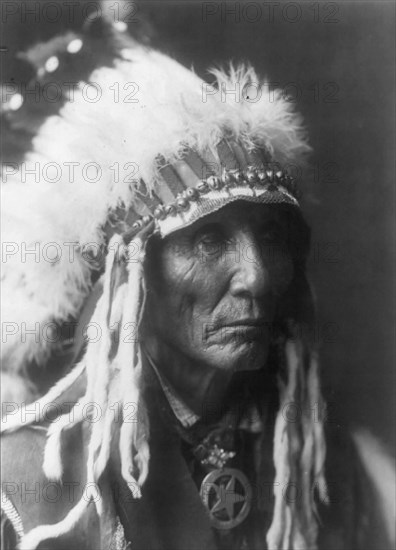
[[12, 423], [52, 463], [44, 532], [113, 370], [299, 453]]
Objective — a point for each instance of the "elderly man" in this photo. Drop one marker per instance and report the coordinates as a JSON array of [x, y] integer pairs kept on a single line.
[[195, 420]]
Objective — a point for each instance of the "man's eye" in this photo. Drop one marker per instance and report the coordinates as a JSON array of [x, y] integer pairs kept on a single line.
[[210, 241], [273, 235], [211, 238], [270, 236]]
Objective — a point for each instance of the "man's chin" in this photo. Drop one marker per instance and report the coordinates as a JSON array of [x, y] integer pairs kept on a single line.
[[237, 357]]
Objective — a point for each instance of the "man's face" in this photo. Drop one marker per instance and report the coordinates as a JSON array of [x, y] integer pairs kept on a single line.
[[214, 287]]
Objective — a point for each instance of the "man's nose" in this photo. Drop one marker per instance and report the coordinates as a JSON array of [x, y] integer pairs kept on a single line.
[[251, 275]]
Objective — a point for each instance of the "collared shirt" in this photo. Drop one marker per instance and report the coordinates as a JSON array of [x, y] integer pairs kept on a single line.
[[250, 420], [183, 413]]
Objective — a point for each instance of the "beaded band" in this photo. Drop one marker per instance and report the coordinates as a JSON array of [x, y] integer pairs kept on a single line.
[[10, 512], [251, 178]]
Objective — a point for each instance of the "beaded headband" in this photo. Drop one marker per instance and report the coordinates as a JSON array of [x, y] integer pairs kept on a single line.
[[200, 184]]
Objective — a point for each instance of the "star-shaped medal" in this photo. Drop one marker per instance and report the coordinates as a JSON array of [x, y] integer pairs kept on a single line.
[[227, 496]]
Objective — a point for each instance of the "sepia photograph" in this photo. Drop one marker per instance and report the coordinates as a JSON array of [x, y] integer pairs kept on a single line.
[[198, 275]]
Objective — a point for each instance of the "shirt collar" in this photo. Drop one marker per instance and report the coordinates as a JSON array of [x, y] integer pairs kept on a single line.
[[183, 413]]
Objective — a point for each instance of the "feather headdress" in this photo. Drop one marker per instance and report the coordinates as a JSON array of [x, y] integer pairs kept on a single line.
[[90, 161], [145, 146]]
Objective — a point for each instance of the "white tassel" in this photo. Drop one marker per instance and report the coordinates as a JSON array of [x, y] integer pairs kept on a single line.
[[52, 464], [128, 353], [278, 536], [10, 424]]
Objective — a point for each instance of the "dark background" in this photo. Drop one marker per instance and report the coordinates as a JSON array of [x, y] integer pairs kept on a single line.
[[336, 60]]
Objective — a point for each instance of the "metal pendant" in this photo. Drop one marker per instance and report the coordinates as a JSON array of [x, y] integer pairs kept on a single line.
[[227, 495]]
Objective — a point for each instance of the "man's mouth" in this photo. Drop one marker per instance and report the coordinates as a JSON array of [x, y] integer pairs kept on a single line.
[[244, 323], [247, 322], [246, 329]]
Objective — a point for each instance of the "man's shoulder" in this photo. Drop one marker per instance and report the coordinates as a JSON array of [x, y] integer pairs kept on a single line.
[[37, 499], [360, 477], [377, 469]]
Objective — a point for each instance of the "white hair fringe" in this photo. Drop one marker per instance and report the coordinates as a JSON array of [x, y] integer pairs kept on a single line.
[[111, 374], [299, 452]]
